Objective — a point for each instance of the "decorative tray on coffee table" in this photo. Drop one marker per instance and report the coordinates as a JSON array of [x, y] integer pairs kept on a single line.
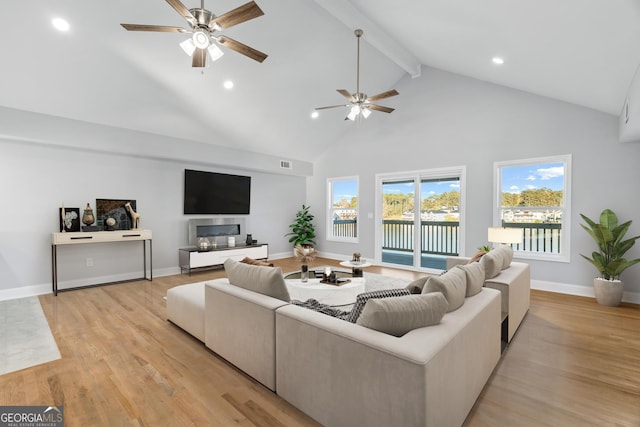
[[338, 282]]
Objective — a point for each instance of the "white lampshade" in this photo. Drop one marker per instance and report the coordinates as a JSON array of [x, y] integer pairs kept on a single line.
[[188, 46], [504, 235], [215, 52], [366, 112]]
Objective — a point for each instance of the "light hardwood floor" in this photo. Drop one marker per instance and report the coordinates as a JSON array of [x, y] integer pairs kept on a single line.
[[572, 363]]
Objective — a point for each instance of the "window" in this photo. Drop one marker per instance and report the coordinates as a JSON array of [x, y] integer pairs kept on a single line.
[[534, 195], [420, 216], [342, 218]]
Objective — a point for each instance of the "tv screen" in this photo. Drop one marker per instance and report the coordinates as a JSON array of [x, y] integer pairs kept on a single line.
[[216, 193]]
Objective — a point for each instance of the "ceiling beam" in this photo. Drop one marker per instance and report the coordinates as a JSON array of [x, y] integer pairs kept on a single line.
[[346, 12]]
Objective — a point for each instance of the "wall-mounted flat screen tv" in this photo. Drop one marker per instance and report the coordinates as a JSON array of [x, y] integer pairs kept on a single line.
[[216, 193]]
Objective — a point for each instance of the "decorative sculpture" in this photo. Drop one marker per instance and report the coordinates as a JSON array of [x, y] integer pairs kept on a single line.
[[135, 217]]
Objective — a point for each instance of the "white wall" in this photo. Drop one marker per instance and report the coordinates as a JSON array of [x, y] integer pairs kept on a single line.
[[444, 119], [36, 178]]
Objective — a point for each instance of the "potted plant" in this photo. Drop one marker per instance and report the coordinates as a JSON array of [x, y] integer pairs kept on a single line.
[[609, 259], [302, 230]]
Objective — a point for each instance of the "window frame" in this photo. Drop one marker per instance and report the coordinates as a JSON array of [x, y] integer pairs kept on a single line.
[[331, 209], [565, 235]]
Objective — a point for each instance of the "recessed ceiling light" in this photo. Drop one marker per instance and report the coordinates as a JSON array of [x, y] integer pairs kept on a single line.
[[314, 115], [228, 84], [497, 60], [60, 24]]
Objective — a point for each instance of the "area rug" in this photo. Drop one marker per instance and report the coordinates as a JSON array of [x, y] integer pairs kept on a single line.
[[376, 282], [25, 337]]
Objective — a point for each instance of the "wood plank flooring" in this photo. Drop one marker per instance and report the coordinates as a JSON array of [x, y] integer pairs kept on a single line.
[[572, 363]]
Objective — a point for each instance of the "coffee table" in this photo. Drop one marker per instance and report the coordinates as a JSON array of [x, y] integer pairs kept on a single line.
[[326, 294]]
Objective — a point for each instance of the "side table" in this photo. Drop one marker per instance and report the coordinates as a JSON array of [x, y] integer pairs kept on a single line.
[[356, 267]]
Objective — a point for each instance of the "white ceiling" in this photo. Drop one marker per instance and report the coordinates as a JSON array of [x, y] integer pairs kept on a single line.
[[580, 51]]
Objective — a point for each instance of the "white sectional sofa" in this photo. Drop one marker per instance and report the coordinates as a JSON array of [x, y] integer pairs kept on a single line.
[[512, 279], [343, 373]]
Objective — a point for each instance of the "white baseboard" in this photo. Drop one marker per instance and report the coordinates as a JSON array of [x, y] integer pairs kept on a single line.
[[25, 291], [46, 288], [584, 291]]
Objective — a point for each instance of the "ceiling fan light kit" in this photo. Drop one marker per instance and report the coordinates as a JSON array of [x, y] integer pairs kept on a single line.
[[360, 104], [203, 25]]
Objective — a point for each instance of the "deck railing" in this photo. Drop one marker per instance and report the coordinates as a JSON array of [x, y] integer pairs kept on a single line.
[[543, 238], [345, 228], [442, 237]]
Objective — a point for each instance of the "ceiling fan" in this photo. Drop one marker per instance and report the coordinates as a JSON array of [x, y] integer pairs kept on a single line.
[[360, 104], [203, 25]]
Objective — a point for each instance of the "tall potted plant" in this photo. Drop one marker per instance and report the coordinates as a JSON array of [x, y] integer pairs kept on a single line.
[[609, 258], [302, 229]]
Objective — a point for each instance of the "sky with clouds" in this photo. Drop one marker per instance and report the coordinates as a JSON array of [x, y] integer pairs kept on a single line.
[[515, 179]]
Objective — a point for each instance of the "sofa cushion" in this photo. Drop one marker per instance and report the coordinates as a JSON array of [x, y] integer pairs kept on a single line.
[[496, 260], [397, 316], [417, 285], [453, 286], [362, 299], [263, 280], [474, 273]]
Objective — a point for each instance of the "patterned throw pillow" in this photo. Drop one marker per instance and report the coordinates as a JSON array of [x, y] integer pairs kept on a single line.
[[362, 299]]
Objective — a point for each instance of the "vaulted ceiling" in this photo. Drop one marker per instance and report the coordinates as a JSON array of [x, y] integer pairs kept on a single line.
[[580, 51]]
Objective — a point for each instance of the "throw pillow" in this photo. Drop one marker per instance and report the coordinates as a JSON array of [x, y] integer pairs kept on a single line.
[[416, 286], [507, 255], [362, 299], [492, 263], [263, 280], [453, 286], [474, 273], [397, 316]]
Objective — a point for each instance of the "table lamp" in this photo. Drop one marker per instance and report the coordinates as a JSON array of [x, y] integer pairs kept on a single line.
[[504, 235]]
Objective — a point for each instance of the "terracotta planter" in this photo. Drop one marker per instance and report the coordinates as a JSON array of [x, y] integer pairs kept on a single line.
[[608, 292]]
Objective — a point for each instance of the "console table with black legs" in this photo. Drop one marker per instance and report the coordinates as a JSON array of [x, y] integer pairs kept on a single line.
[[78, 238]]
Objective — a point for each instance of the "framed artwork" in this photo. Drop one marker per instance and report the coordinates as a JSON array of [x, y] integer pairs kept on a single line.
[[113, 215], [69, 219]]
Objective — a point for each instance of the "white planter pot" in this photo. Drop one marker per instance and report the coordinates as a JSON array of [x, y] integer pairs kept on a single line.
[[608, 292]]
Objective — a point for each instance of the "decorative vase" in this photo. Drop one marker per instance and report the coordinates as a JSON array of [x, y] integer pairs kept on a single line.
[[87, 217], [304, 273], [608, 292], [203, 243]]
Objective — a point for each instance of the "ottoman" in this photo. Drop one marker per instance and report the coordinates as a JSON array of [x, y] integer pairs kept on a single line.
[[185, 308]]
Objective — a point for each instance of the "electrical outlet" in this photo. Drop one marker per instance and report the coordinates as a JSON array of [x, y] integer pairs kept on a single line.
[[89, 262]]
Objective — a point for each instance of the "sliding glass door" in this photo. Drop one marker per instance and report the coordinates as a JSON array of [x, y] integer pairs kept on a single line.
[[420, 218]]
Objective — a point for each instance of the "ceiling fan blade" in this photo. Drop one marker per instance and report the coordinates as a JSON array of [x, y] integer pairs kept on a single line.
[[199, 58], [383, 95], [242, 48], [183, 11], [346, 94], [237, 16], [332, 106], [158, 28], [380, 108]]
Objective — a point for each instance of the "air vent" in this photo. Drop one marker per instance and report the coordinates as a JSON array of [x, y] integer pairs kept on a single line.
[[286, 164]]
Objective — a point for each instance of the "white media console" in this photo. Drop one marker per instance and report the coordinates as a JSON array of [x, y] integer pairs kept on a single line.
[[192, 258]]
